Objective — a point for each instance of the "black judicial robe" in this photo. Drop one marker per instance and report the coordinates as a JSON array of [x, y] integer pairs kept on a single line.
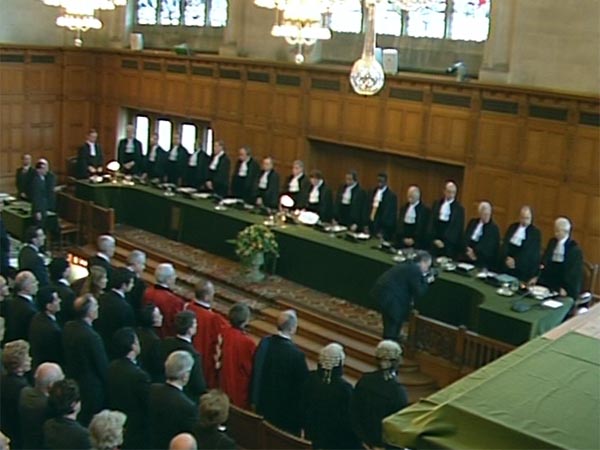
[[220, 176], [245, 187], [85, 159], [175, 169], [22, 180], [279, 374], [197, 385], [324, 207], [354, 213], [301, 197], [45, 338], [527, 256], [567, 275], [385, 217], [135, 156], [451, 232], [156, 168], [196, 176], [486, 249], [30, 259], [416, 231], [270, 195]]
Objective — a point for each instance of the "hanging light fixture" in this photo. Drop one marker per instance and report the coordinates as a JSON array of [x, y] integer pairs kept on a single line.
[[412, 5]]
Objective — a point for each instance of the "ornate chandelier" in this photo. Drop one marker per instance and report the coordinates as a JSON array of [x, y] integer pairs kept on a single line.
[[80, 15]]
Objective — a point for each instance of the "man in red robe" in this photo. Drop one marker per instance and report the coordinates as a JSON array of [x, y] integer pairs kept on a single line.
[[235, 357], [162, 296], [210, 326]]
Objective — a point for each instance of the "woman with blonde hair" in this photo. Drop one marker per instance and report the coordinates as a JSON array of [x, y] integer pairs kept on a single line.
[[214, 412], [106, 430], [96, 282]]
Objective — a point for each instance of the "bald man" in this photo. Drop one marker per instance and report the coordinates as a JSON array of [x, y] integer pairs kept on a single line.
[[447, 223], [482, 239], [413, 221], [129, 152], [183, 441]]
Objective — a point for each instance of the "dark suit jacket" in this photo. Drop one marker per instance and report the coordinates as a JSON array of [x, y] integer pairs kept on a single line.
[[213, 439], [196, 176], [22, 180], [245, 187], [150, 358], [33, 412], [127, 390], [4, 250], [416, 231], [270, 195], [527, 256], [451, 233], [300, 197], [220, 176], [84, 159], [325, 206], [196, 386], [155, 169], [67, 295], [45, 337], [19, 312], [114, 312], [136, 156], [38, 195], [61, 433], [50, 185], [567, 275], [98, 261], [174, 169], [387, 212], [486, 249], [11, 386], [170, 412], [353, 214], [29, 259], [135, 296]]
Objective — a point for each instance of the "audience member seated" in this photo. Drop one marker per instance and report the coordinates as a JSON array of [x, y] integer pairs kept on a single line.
[[413, 221], [106, 245], [85, 357], [128, 387], [171, 411], [267, 187], [60, 272], [90, 160], [95, 283], [30, 256], [378, 394], [482, 239], [210, 326], [62, 431], [447, 223], [562, 262], [20, 309], [150, 320], [114, 311], [521, 247], [214, 412], [23, 177], [162, 296], [349, 207], [136, 263], [280, 372], [16, 362], [298, 185], [129, 153], [106, 430], [45, 334], [33, 405], [236, 357], [245, 176], [326, 403], [183, 441], [382, 207], [218, 171], [319, 198]]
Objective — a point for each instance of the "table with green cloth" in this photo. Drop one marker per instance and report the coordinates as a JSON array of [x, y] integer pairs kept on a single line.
[[321, 261], [17, 218], [545, 394]]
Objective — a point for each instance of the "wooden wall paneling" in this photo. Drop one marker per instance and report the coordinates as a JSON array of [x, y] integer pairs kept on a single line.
[[78, 81], [44, 74], [230, 133], [107, 122], [324, 115], [285, 149], [591, 241], [230, 92], [76, 122], [448, 134], [129, 82], [361, 120], [202, 92], [402, 127], [545, 148], [176, 88], [288, 101], [258, 139], [497, 141], [584, 156], [258, 104]]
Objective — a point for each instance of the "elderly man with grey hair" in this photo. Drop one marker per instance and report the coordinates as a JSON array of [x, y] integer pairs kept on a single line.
[[106, 245], [280, 372], [136, 263], [413, 220], [482, 239], [162, 296], [20, 309], [562, 262], [170, 411]]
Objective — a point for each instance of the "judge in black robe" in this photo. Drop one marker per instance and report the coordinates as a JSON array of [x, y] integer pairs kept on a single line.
[[521, 248], [319, 199], [382, 209], [129, 153], [155, 160], [562, 262], [446, 224], [245, 176], [176, 161], [267, 185], [298, 185], [23, 177], [349, 207], [218, 171], [196, 170], [482, 239], [90, 159], [413, 221]]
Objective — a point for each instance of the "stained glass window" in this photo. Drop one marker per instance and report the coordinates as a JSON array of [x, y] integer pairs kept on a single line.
[[470, 20], [428, 22], [147, 12], [194, 13], [346, 17], [170, 12]]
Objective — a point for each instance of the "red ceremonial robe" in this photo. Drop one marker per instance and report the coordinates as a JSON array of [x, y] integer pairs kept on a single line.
[[169, 305]]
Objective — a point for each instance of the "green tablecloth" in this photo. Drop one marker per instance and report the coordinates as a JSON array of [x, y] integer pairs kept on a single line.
[[545, 394], [17, 217], [313, 258]]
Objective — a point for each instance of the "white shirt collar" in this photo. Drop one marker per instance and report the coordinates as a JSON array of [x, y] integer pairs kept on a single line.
[[314, 196], [26, 296], [64, 281], [176, 386], [478, 231], [294, 185], [215, 161], [202, 303], [378, 197], [52, 316], [264, 180], [283, 335], [243, 169], [184, 338], [445, 210], [410, 217], [37, 250], [347, 195], [119, 293], [519, 235], [103, 256]]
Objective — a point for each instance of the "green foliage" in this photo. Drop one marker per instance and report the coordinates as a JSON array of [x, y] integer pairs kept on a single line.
[[256, 239]]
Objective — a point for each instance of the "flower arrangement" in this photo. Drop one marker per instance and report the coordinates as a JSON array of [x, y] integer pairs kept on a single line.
[[254, 240]]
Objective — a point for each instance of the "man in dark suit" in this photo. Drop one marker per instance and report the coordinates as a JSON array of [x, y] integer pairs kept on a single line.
[[129, 153], [30, 257], [176, 162], [85, 357], [298, 185], [218, 171], [5, 268], [482, 239], [60, 271], [45, 334], [521, 247], [447, 223], [267, 185], [90, 160], [114, 311], [245, 176], [413, 221], [136, 263], [170, 411], [38, 193], [106, 246], [349, 207], [186, 327], [279, 375], [562, 262], [382, 209], [20, 309], [23, 177], [128, 387], [320, 200], [33, 405], [155, 160], [196, 170], [397, 288]]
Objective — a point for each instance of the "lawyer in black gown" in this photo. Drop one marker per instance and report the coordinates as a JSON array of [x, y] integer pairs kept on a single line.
[[218, 171], [482, 239], [319, 198], [245, 176], [562, 262], [30, 258], [155, 160], [129, 151], [413, 221], [349, 207], [90, 159], [297, 185], [521, 247], [382, 210], [176, 162], [45, 334], [447, 224], [20, 309], [267, 185]]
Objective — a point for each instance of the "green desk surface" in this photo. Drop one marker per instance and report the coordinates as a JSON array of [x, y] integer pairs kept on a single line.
[[545, 394], [318, 260], [17, 217]]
